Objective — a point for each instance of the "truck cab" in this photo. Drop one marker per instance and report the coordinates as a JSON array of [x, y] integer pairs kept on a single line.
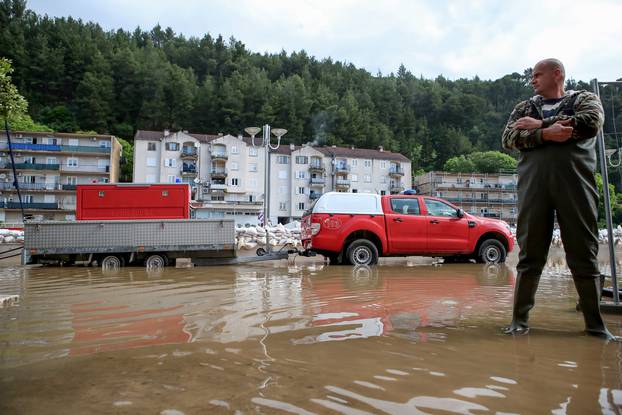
[[360, 228]]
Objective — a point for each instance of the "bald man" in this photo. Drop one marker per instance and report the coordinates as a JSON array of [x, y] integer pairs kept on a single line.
[[554, 132]]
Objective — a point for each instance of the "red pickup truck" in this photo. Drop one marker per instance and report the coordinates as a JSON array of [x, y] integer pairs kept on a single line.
[[357, 228]]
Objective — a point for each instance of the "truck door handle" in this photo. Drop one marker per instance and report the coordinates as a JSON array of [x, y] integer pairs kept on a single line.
[[397, 220], [434, 222]]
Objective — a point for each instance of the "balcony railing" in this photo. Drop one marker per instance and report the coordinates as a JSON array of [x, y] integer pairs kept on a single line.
[[189, 170], [55, 147], [218, 171], [38, 186], [32, 166], [316, 166], [317, 180], [342, 182], [30, 205], [189, 152], [218, 186], [342, 168], [396, 171], [219, 155]]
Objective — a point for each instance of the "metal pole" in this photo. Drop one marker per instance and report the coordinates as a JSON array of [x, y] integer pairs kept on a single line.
[[266, 142], [603, 169]]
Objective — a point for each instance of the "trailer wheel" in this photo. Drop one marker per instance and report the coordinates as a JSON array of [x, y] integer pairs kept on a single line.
[[111, 261], [491, 252], [362, 252], [156, 261]]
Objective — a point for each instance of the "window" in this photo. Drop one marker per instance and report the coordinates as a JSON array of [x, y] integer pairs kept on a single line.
[[235, 181], [252, 167], [383, 164], [283, 174], [282, 159], [52, 160], [355, 190], [438, 208], [170, 163], [102, 164], [150, 178], [151, 162], [72, 180], [29, 160], [283, 190], [72, 162], [235, 150], [172, 146], [354, 177], [405, 206], [354, 163], [27, 198], [52, 141], [301, 206], [151, 146], [300, 191], [233, 165], [302, 160], [367, 178], [252, 151], [383, 192], [367, 163], [104, 144], [172, 178], [74, 142], [301, 174], [282, 205]]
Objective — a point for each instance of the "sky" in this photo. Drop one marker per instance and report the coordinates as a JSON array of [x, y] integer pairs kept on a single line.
[[456, 39]]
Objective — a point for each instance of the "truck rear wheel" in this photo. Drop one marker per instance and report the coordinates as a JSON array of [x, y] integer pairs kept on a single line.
[[491, 252], [156, 261], [362, 252], [111, 261]]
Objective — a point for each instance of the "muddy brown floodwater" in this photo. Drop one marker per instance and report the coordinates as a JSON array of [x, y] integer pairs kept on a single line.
[[401, 338]]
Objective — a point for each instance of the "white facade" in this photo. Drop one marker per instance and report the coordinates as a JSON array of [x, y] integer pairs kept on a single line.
[[227, 173]]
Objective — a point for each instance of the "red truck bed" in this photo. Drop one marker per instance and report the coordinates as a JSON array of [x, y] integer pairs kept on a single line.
[[132, 201]]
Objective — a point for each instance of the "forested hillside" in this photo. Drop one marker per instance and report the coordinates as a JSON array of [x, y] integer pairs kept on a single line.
[[77, 76]]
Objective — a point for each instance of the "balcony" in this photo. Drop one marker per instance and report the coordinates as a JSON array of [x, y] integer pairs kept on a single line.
[[31, 166], [342, 182], [30, 147], [69, 187], [189, 153], [218, 186], [316, 167], [85, 149], [218, 172], [219, 155], [317, 181], [396, 188], [30, 205], [342, 168], [85, 169], [44, 187], [189, 170], [314, 195], [396, 171]]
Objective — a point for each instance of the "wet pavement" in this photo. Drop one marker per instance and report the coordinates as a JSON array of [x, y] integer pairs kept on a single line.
[[402, 338]]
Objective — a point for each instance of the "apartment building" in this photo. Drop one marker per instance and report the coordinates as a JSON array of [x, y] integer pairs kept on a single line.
[[489, 195], [49, 166], [227, 173]]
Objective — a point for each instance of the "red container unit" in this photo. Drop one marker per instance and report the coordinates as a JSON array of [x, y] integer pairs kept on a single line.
[[132, 201]]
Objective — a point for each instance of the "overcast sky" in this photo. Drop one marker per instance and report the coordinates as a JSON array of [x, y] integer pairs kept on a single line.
[[454, 38]]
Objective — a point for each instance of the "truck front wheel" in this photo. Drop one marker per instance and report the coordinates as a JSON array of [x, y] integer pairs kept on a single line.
[[362, 252], [491, 252]]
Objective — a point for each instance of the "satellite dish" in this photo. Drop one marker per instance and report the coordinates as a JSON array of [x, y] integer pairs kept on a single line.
[[196, 180]]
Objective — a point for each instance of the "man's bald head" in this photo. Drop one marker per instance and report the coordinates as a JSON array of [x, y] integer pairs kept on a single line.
[[548, 78]]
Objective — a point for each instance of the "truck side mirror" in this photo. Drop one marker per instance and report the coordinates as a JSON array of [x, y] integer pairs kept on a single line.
[[460, 213]]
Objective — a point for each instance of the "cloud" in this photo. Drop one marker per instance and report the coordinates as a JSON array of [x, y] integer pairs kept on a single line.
[[457, 39]]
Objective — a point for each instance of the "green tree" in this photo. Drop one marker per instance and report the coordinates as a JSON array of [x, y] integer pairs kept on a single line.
[[492, 161], [459, 164], [12, 104], [127, 160]]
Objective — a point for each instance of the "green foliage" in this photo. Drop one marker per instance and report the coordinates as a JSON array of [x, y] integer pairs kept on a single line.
[[12, 104], [481, 162], [616, 212], [127, 160]]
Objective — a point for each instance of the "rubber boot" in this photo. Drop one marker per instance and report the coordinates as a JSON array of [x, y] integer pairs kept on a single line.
[[524, 300], [589, 290]]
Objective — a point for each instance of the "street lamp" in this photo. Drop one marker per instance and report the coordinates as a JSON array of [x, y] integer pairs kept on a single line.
[[278, 133]]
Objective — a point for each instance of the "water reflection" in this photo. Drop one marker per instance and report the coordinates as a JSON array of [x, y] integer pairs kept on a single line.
[[297, 338]]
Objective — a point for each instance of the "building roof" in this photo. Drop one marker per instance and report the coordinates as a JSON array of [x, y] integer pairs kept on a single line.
[[350, 152], [158, 135], [60, 135]]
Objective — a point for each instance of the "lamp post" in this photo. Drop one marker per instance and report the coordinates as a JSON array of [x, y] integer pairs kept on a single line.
[[265, 143]]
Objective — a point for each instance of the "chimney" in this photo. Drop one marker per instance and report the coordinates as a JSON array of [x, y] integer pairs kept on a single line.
[[166, 133], [239, 136], [292, 147], [380, 149]]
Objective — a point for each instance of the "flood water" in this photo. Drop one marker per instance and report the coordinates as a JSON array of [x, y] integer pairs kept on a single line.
[[402, 338]]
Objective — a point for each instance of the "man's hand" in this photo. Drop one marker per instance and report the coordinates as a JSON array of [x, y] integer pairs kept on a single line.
[[527, 123], [558, 132]]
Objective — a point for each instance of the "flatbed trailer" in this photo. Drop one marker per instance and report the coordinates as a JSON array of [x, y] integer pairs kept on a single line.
[[154, 242]]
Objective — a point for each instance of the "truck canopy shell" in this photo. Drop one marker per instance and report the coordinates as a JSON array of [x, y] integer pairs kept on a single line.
[[349, 203]]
